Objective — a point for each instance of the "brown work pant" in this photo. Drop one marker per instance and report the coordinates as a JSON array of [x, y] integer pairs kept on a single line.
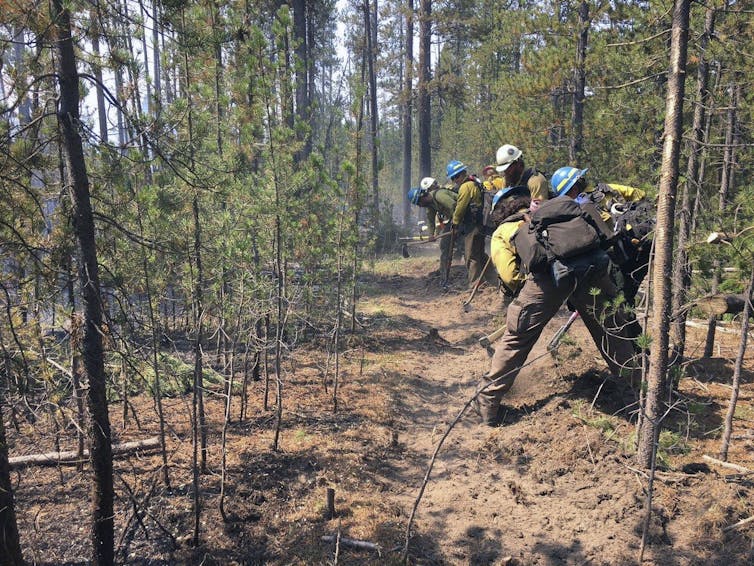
[[473, 249], [529, 313]]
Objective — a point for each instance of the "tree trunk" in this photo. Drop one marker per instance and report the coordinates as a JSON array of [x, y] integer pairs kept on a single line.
[[10, 542], [157, 72], [97, 71], [83, 223], [579, 85], [198, 354], [663, 240], [145, 54], [77, 371], [407, 109], [736, 385], [370, 31], [423, 100], [726, 186], [681, 268], [303, 68]]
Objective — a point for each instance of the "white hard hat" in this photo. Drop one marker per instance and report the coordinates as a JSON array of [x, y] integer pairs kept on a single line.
[[506, 154], [427, 182]]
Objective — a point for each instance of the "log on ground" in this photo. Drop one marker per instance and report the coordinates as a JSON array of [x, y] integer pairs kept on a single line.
[[71, 457], [721, 304]]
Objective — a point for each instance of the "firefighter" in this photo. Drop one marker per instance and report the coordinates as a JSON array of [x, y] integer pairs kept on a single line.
[[440, 203], [510, 162], [467, 218]]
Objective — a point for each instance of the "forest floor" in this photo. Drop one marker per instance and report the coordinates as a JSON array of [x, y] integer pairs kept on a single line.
[[557, 484]]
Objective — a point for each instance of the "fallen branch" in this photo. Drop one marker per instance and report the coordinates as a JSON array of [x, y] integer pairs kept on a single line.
[[736, 467], [72, 457], [353, 543], [719, 328], [741, 523]]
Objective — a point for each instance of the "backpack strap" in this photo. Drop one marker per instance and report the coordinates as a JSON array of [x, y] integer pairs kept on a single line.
[[526, 175]]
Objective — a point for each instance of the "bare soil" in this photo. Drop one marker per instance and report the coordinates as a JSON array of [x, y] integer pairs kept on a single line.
[[557, 484]]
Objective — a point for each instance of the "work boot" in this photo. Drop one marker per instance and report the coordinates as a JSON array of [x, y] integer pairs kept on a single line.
[[491, 414]]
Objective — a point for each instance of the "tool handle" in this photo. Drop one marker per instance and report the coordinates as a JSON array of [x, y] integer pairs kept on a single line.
[[478, 282], [428, 241], [555, 341], [497, 334]]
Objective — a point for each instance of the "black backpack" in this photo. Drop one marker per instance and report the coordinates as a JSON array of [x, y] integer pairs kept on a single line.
[[475, 213], [637, 219], [634, 229], [563, 237]]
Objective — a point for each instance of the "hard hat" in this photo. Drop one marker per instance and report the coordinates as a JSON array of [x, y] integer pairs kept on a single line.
[[506, 192], [414, 194], [427, 182], [489, 169], [506, 154], [564, 178], [454, 168]]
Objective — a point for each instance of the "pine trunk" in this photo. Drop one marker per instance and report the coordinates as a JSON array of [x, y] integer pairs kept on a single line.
[[408, 108], [424, 101], [579, 83], [659, 327], [92, 348], [681, 268]]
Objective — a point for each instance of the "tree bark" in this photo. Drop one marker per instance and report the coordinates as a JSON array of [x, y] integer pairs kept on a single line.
[[663, 240], [408, 108], [579, 84], [303, 68], [370, 31], [726, 185], [681, 267], [736, 385], [10, 541], [97, 71], [92, 348], [424, 100]]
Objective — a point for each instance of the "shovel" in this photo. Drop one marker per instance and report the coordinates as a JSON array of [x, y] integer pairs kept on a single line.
[[404, 247]]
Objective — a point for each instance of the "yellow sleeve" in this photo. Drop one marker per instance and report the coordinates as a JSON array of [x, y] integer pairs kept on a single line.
[[504, 255], [464, 199], [629, 194]]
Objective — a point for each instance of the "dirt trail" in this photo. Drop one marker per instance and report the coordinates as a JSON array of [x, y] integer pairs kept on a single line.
[[555, 484]]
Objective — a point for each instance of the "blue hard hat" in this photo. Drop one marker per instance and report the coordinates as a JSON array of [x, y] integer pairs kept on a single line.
[[414, 194], [564, 178], [498, 195], [454, 168], [505, 192]]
